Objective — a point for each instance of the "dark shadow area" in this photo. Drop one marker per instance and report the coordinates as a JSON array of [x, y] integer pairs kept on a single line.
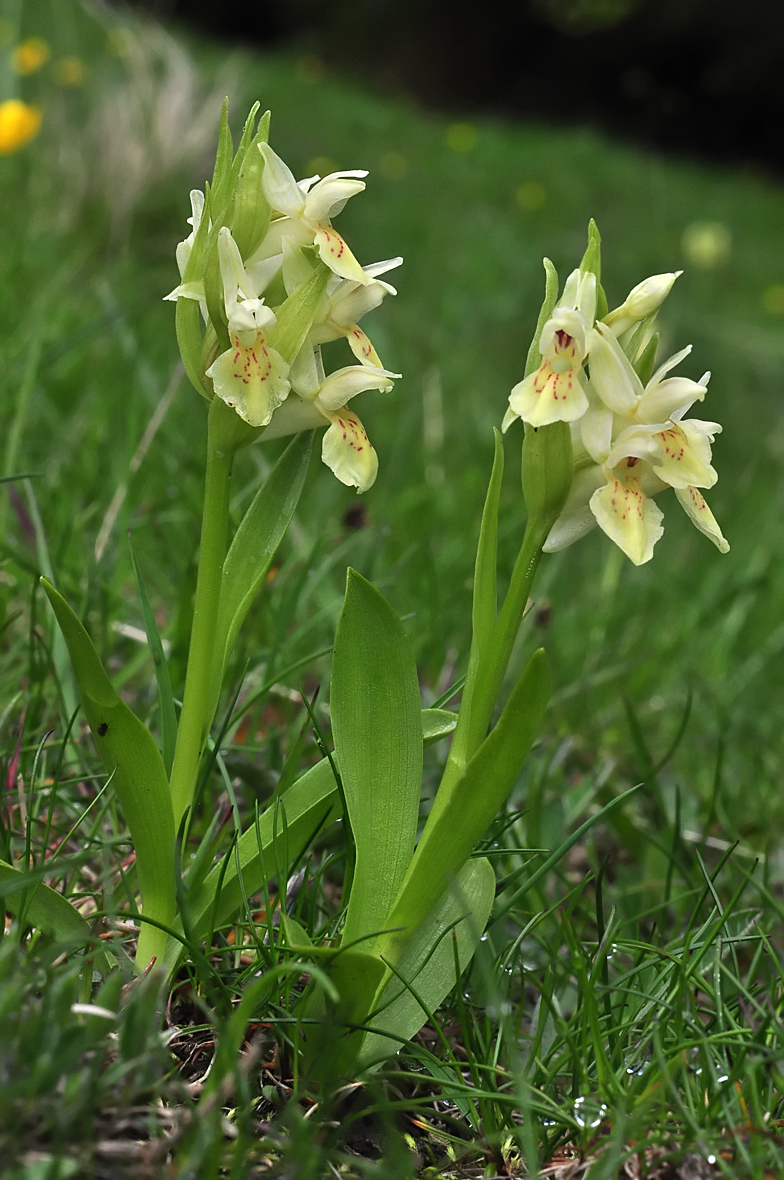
[[702, 77]]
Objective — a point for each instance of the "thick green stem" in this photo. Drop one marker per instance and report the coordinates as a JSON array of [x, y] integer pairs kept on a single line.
[[486, 676], [194, 721]]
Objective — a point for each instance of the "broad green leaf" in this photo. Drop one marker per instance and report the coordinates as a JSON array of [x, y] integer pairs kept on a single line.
[[428, 962], [308, 805], [46, 909], [377, 729], [131, 756], [437, 724], [253, 548], [161, 667], [470, 807]]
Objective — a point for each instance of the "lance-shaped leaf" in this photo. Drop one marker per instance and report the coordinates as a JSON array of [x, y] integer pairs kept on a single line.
[[255, 542], [426, 970], [46, 910], [377, 728], [471, 804], [131, 756]]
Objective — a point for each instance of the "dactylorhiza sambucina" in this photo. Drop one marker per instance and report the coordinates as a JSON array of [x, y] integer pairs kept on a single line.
[[630, 436], [250, 375]]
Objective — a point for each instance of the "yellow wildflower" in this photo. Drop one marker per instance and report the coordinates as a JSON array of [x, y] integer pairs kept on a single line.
[[29, 55], [19, 123]]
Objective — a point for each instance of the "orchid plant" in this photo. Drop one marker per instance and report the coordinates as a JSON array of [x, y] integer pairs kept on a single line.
[[265, 283]]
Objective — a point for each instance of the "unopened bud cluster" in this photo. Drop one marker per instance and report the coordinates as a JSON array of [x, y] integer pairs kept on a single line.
[[265, 282], [630, 439]]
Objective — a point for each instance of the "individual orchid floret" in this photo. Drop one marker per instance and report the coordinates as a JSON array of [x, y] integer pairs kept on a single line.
[[250, 376], [636, 442], [317, 400], [242, 285], [643, 301], [307, 208], [346, 303], [555, 392]]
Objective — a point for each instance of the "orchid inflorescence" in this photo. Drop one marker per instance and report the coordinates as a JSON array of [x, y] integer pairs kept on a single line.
[[244, 268], [630, 439]]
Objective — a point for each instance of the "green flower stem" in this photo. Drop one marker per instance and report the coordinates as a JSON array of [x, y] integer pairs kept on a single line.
[[484, 685], [194, 721]]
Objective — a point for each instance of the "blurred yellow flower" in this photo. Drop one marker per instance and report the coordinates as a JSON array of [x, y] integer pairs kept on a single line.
[[531, 195], [461, 138], [69, 71], [773, 299], [18, 124], [707, 244], [29, 55]]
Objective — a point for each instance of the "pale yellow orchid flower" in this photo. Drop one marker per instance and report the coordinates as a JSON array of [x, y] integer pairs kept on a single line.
[[632, 443], [250, 376], [555, 392], [306, 210], [317, 400]]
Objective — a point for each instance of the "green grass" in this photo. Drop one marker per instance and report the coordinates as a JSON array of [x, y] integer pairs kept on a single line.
[[631, 1001]]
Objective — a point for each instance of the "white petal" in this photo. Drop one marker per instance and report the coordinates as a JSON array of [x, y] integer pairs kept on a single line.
[[261, 273], [596, 430], [586, 297], [380, 268], [233, 276], [187, 291], [571, 288], [669, 399], [329, 196], [669, 364], [294, 416], [306, 376], [296, 268], [612, 375], [346, 383], [576, 519], [279, 186]]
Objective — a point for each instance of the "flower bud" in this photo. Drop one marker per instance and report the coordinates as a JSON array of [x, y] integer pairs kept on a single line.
[[643, 301]]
